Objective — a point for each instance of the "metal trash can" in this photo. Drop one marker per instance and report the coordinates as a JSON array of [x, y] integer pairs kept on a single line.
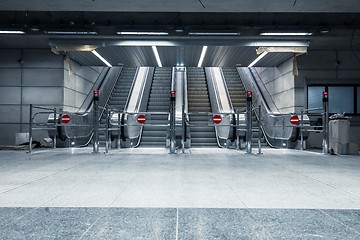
[[339, 134]]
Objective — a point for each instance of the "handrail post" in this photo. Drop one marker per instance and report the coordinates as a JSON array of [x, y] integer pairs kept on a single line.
[[249, 122], [325, 123], [183, 127], [107, 130], [172, 123], [96, 122], [260, 132], [301, 130], [30, 127], [54, 140], [237, 130], [119, 131]]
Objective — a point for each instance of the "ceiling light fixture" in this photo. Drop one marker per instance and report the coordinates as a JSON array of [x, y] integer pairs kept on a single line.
[[282, 33], [258, 59], [156, 53], [202, 55], [71, 32], [11, 32], [301, 50], [143, 33], [101, 58], [144, 43], [214, 33]]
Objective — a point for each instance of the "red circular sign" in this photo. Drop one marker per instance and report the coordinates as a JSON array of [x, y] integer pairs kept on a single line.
[[65, 118], [217, 119], [294, 120], [141, 119]]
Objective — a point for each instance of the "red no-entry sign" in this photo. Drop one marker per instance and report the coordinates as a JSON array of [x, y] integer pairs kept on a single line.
[[65, 118], [217, 119], [141, 119], [294, 120]]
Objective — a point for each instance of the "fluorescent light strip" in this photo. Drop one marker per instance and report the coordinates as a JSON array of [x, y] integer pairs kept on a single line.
[[214, 33], [71, 33], [156, 53], [11, 32], [286, 33], [101, 58], [258, 59], [202, 55], [143, 33]]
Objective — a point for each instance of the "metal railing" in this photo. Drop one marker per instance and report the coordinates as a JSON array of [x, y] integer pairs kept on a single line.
[[115, 123], [35, 126], [240, 125], [319, 127]]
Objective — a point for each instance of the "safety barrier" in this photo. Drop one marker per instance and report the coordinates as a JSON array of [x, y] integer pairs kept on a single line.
[[59, 123], [35, 126], [115, 122], [239, 124], [319, 127]]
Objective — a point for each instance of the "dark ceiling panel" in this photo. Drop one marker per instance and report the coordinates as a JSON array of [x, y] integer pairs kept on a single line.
[[229, 56], [85, 58], [274, 59], [128, 56], [180, 56], [183, 6]]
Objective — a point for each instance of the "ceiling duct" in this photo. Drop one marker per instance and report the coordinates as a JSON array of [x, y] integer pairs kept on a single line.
[[300, 50], [80, 48]]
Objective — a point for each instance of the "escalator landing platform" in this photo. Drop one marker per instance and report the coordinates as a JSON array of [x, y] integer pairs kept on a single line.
[[207, 193]]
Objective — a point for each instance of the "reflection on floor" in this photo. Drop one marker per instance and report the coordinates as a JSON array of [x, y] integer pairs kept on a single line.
[[203, 194]]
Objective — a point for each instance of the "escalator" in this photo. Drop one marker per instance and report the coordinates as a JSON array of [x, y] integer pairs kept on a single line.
[[159, 101], [118, 97], [235, 88], [237, 94], [199, 104]]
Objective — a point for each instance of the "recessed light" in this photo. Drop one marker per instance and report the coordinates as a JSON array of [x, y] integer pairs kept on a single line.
[[143, 33], [12, 32], [214, 33], [284, 33]]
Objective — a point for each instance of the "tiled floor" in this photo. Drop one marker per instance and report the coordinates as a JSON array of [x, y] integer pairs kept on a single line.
[[203, 194]]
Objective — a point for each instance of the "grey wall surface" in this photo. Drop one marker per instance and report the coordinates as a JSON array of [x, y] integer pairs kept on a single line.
[[330, 67], [39, 77], [279, 82], [27, 77], [78, 82]]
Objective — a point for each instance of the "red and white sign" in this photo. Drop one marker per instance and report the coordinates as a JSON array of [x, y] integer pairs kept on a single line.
[[141, 119], [217, 119], [65, 118], [294, 120]]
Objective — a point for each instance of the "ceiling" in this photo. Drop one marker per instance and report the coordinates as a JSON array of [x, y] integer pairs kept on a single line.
[[334, 25], [183, 6]]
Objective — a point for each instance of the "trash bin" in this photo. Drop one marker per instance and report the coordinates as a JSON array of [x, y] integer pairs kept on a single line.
[[339, 134]]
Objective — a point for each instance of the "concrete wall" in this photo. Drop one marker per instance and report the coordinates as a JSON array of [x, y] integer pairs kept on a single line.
[[78, 83], [27, 77], [39, 77], [280, 84], [330, 67]]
